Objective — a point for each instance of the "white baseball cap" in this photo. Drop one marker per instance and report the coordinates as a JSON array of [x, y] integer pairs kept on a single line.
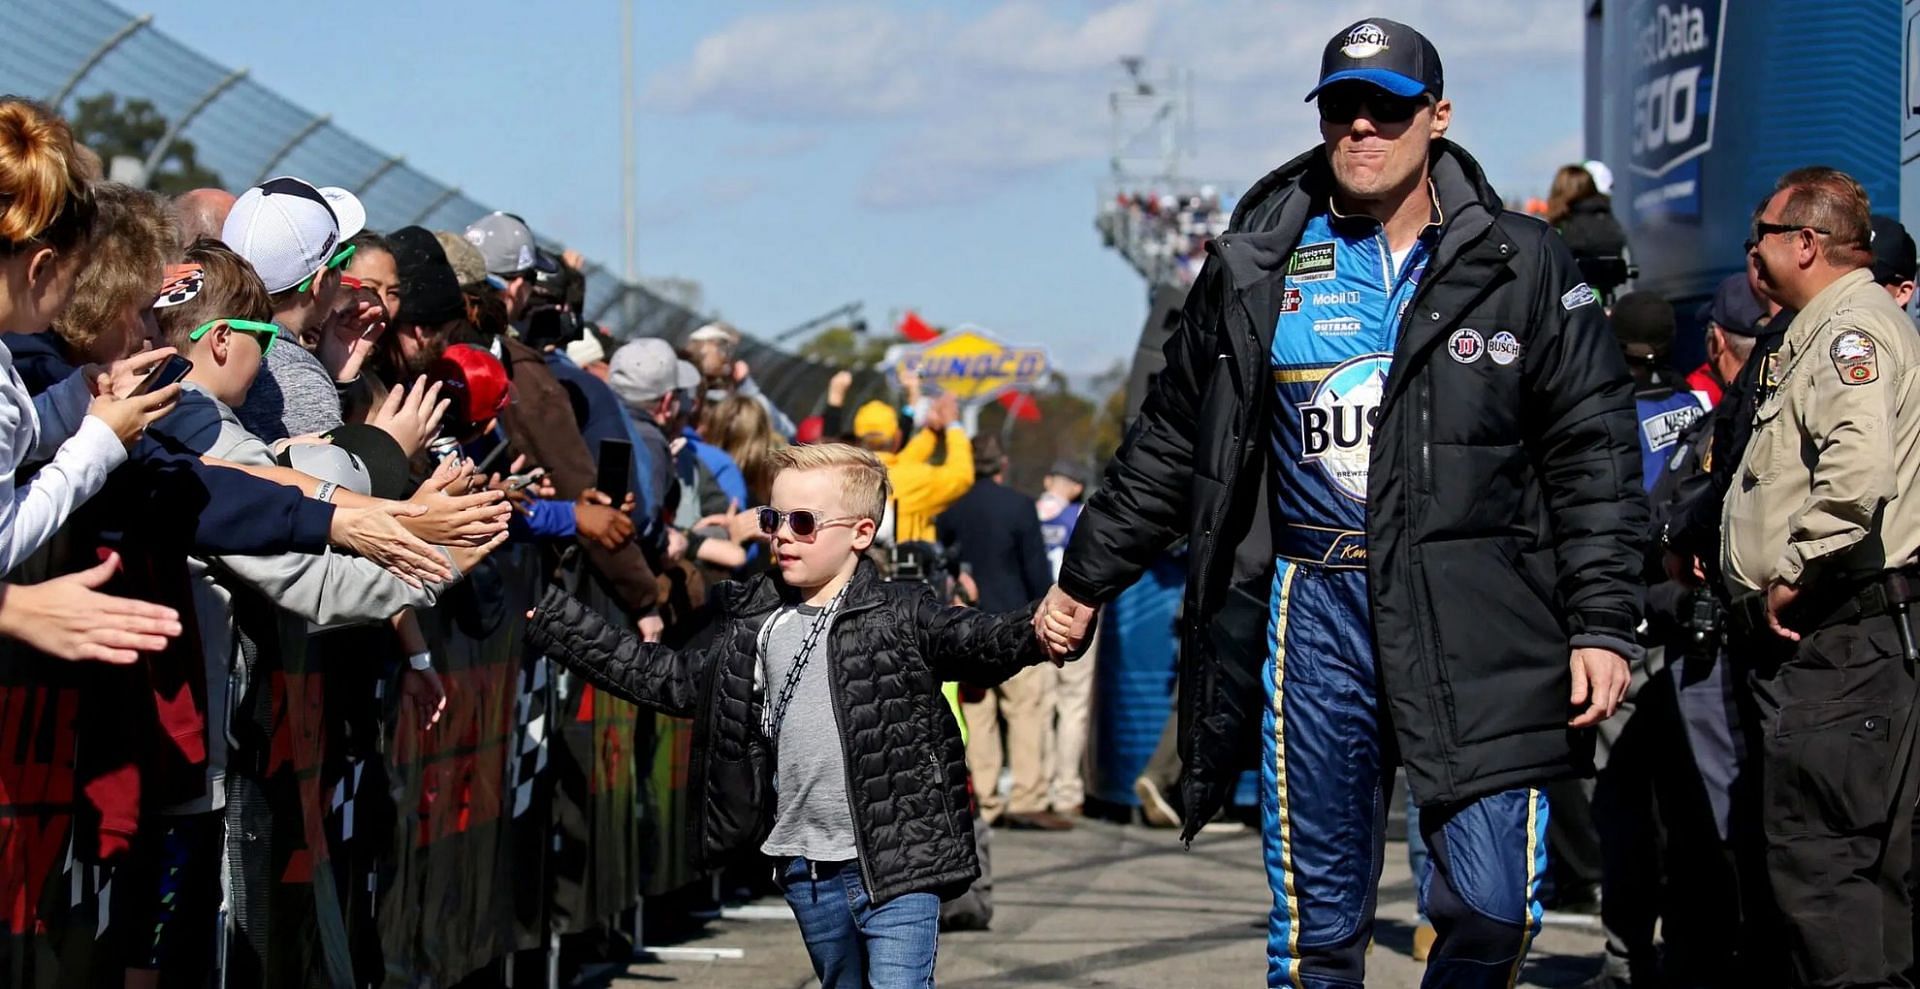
[[1602, 176], [289, 230]]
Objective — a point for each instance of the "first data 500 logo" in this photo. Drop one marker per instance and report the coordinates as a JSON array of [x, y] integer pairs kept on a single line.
[[1676, 65]]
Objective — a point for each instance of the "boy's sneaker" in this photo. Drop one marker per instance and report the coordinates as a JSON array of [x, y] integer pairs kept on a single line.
[[1154, 806]]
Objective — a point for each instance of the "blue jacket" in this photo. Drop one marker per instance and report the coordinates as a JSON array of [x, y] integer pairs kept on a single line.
[[233, 512], [726, 473]]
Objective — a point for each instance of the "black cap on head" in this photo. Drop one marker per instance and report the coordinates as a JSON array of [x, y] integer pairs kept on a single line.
[[1894, 259], [1072, 470], [1643, 323], [386, 462], [1734, 309], [429, 290], [1383, 53]]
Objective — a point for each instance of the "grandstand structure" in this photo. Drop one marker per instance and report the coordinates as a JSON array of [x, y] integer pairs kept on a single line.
[[1156, 218]]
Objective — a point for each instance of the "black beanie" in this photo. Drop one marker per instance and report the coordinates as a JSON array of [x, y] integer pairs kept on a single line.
[[1643, 323], [429, 290]]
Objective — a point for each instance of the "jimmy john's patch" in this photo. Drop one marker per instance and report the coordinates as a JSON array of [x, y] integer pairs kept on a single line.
[[1856, 358]]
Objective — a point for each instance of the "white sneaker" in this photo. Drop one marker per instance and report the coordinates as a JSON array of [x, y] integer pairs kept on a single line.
[[1154, 806]]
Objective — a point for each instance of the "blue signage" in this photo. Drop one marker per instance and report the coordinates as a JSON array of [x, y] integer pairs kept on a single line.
[[1676, 73]]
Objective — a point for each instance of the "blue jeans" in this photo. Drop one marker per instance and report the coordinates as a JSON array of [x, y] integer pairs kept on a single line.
[[854, 944]]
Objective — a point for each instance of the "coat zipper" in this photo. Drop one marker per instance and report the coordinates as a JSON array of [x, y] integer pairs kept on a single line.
[[835, 688]]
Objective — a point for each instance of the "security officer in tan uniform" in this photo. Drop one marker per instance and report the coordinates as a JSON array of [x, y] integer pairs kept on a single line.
[[1820, 536]]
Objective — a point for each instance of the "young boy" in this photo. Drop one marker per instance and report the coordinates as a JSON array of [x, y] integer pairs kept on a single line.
[[822, 737]]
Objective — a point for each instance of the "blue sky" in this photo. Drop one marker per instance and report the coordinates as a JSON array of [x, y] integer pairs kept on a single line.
[[795, 156]]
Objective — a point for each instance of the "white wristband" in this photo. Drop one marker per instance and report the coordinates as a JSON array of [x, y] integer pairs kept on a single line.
[[420, 661], [325, 491]]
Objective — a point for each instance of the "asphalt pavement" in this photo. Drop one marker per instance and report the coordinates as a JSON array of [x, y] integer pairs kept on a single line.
[[1107, 905]]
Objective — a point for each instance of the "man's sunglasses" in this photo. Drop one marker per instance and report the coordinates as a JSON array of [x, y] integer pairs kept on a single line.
[[265, 333], [1762, 230], [804, 523], [1344, 104], [339, 259]]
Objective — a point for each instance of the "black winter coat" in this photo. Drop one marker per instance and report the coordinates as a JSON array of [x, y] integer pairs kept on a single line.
[[890, 648], [1505, 512], [1591, 231]]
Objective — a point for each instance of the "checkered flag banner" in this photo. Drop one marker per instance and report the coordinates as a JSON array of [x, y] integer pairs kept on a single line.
[[530, 715]]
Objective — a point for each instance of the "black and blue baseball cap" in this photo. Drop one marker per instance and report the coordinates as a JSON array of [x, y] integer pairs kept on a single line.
[[1383, 53]]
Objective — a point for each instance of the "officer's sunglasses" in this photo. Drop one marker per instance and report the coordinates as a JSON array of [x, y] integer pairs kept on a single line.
[[264, 333], [1762, 230], [803, 522], [1344, 104]]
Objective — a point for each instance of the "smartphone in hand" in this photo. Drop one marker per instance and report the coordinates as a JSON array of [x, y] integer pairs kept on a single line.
[[616, 469], [175, 368]]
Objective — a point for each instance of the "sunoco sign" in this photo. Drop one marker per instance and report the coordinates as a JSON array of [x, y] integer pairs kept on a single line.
[[973, 366]]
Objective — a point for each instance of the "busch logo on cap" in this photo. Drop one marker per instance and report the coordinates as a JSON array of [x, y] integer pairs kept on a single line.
[[1365, 41]]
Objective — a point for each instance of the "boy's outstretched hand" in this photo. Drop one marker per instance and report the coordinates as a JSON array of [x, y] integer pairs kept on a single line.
[[1061, 623]]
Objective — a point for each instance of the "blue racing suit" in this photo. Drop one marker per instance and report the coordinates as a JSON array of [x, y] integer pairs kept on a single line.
[[1326, 770]]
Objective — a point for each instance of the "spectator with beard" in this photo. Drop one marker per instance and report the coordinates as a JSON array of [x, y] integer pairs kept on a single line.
[[432, 307]]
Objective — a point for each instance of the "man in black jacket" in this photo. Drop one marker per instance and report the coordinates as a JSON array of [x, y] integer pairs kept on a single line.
[[994, 531], [1399, 437]]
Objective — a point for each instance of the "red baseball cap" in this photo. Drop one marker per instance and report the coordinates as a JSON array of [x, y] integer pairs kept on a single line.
[[475, 380]]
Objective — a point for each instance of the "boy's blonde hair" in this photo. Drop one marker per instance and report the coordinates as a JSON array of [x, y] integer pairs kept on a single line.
[[863, 480]]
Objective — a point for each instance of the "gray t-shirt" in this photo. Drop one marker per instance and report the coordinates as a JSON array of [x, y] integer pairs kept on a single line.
[[813, 819], [292, 396]]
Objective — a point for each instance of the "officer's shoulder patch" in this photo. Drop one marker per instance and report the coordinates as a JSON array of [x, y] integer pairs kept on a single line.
[[1856, 357], [1577, 296]]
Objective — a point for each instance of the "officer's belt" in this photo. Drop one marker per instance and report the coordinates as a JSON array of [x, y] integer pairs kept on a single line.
[[1868, 596], [1321, 546]]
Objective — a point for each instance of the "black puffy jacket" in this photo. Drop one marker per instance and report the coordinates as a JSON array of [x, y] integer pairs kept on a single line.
[[1505, 512], [1591, 231], [891, 647]]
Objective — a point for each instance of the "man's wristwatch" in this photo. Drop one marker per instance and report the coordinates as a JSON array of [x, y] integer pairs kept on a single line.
[[420, 661]]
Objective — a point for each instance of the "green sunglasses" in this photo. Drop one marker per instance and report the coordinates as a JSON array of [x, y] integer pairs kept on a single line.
[[266, 333], [336, 261]]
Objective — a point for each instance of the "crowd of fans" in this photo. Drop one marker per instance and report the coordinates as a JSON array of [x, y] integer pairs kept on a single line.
[[231, 423], [1163, 234]]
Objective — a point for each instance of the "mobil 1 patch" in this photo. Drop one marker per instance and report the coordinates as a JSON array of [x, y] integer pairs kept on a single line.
[[1311, 263], [1856, 357]]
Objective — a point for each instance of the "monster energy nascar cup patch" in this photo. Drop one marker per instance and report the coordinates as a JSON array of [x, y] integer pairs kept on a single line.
[[1311, 263]]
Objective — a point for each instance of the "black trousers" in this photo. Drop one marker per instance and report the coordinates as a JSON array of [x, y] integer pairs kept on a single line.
[[1838, 783]]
